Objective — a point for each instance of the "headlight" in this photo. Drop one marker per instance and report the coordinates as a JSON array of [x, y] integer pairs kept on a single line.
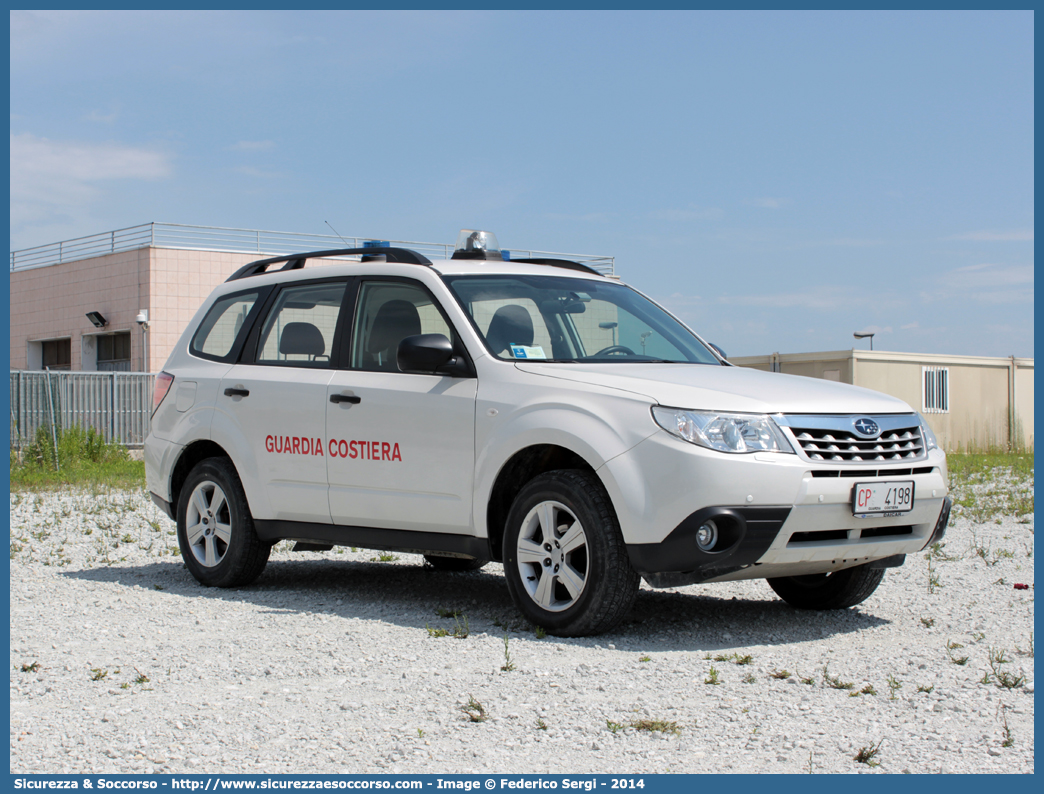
[[723, 432], [930, 441]]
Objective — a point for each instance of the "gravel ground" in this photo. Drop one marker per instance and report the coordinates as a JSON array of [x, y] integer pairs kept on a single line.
[[121, 662]]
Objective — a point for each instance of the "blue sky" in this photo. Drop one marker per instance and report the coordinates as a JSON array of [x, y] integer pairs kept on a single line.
[[779, 180]]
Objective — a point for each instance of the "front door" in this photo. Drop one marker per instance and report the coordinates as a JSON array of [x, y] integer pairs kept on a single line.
[[401, 448]]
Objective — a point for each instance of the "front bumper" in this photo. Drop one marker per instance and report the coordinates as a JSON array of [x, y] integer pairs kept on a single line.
[[792, 516]]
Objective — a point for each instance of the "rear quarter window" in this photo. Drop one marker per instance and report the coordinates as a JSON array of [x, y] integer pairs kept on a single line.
[[223, 326]]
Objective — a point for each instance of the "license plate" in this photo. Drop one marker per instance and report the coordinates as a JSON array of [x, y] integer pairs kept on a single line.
[[882, 499]]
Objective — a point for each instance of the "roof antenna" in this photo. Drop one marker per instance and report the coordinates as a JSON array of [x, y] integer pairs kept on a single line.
[[336, 232]]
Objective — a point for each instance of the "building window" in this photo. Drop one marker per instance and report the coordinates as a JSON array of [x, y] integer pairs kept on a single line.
[[935, 390], [56, 354], [114, 352]]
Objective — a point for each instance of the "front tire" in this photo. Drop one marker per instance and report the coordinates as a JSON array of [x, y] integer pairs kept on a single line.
[[837, 590], [565, 560], [215, 528]]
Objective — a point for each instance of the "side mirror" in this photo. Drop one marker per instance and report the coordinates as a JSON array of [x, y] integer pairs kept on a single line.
[[430, 354], [719, 351]]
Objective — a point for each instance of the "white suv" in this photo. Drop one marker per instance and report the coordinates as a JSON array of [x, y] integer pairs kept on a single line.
[[532, 412]]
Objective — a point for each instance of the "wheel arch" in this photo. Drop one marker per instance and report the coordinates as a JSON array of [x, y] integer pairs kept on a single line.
[[519, 469], [190, 456]]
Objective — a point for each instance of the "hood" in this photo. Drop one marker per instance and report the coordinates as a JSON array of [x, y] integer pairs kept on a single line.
[[713, 388]]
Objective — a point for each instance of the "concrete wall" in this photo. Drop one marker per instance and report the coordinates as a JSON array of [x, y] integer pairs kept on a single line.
[[181, 281], [52, 302], [990, 399]]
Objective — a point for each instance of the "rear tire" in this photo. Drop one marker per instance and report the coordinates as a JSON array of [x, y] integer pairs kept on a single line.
[[453, 563], [837, 590], [565, 560], [215, 528]]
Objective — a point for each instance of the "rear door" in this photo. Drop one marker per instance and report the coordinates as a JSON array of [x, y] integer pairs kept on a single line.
[[401, 447], [274, 402]]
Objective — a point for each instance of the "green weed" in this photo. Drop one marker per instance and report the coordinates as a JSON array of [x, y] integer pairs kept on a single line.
[[1009, 737], [955, 658], [835, 682], [84, 459], [474, 710], [508, 665], [867, 755], [1001, 677], [656, 726], [934, 582], [978, 487]]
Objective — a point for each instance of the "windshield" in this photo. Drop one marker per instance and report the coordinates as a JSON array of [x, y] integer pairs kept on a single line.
[[550, 318]]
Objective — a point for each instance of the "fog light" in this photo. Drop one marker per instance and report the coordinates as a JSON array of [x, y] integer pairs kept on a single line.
[[707, 535]]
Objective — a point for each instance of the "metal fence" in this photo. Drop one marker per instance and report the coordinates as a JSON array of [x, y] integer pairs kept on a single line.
[[118, 405], [251, 241]]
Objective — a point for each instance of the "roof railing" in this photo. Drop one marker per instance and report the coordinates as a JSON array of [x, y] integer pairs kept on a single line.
[[247, 241]]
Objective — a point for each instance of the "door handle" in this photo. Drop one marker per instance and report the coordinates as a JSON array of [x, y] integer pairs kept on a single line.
[[345, 398], [232, 392]]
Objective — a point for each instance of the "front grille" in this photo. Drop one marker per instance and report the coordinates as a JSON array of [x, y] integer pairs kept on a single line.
[[885, 532], [842, 534], [857, 473], [812, 537], [842, 446]]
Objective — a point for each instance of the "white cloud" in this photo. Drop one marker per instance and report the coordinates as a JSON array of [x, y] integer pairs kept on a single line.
[[910, 326], [103, 118], [252, 146], [987, 283], [51, 178], [1010, 235], [249, 170], [990, 275]]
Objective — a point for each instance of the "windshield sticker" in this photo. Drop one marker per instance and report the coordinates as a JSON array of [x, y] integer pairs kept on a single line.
[[521, 351]]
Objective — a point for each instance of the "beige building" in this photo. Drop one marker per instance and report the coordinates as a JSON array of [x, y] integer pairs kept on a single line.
[[970, 402], [158, 273]]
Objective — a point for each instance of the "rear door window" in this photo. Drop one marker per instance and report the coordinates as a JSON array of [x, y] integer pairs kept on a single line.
[[301, 327]]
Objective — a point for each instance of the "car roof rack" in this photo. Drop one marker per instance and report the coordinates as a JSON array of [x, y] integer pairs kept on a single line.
[[568, 264], [296, 261]]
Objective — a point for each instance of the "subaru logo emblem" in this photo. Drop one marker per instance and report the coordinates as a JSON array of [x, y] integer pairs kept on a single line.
[[866, 427]]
